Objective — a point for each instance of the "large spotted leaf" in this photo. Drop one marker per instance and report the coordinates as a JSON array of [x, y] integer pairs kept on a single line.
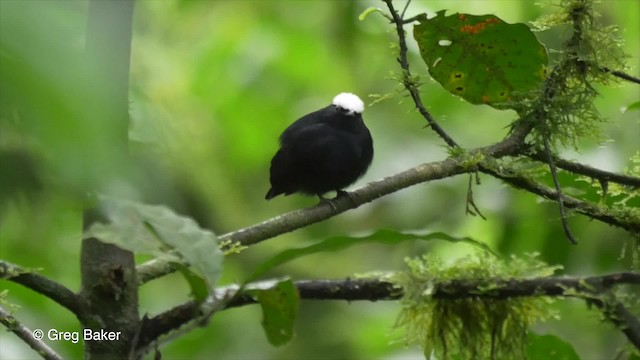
[[481, 58]]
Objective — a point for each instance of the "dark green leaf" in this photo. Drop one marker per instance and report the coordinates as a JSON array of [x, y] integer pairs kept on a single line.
[[481, 58], [280, 304], [197, 284], [543, 347], [384, 236]]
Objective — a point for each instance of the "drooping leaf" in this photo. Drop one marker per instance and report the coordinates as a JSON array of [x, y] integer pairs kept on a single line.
[[549, 347], [482, 58], [384, 236], [367, 12], [157, 230], [199, 288], [280, 304]]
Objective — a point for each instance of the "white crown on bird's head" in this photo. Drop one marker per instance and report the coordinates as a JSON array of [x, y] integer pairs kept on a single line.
[[349, 102]]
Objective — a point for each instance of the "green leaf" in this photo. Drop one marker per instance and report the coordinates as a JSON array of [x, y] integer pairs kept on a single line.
[[280, 304], [542, 347], [159, 231], [633, 107], [482, 58], [197, 284], [384, 236]]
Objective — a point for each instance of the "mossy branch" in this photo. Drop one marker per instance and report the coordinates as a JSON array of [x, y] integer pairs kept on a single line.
[[625, 219], [589, 288]]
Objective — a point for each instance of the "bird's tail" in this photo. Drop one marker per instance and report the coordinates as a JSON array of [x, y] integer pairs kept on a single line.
[[271, 194]]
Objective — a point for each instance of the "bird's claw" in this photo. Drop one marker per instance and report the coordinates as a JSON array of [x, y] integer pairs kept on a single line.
[[328, 201], [339, 194], [342, 193]]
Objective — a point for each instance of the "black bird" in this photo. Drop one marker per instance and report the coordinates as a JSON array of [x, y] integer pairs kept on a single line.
[[326, 150]]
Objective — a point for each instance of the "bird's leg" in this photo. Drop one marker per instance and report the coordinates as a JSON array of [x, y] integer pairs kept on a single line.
[[341, 193], [324, 200]]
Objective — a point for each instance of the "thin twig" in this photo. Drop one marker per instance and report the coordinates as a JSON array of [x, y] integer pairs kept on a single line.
[[554, 175], [411, 19], [587, 170], [408, 81], [404, 11], [621, 75], [27, 336], [471, 207]]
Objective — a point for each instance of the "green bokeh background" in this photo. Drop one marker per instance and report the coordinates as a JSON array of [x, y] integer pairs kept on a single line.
[[213, 83]]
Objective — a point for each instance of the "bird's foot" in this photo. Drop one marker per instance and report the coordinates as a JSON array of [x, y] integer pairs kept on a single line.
[[339, 194], [324, 200], [342, 193]]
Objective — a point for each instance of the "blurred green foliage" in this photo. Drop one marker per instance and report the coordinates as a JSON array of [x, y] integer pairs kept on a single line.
[[213, 83]]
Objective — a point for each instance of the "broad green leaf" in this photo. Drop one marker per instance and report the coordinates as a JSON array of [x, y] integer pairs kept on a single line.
[[543, 347], [157, 230], [384, 236], [280, 304], [482, 58]]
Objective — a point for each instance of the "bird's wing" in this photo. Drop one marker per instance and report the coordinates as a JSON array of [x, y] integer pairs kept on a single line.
[[322, 147], [305, 123], [315, 140], [300, 148]]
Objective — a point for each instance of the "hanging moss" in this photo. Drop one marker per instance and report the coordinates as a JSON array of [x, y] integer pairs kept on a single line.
[[565, 103], [473, 327]]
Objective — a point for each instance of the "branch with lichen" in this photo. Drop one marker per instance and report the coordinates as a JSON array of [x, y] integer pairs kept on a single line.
[[588, 288], [625, 218], [44, 286]]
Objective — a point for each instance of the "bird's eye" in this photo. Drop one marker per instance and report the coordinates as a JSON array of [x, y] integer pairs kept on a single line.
[[341, 109]]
